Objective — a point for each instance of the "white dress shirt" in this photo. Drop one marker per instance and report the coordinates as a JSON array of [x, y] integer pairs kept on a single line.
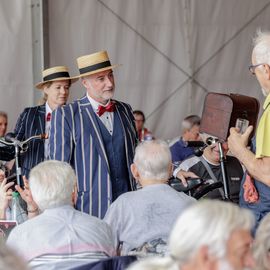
[[47, 131], [106, 118], [62, 238]]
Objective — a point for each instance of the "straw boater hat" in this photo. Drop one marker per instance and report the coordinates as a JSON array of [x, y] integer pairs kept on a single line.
[[94, 63], [58, 73]]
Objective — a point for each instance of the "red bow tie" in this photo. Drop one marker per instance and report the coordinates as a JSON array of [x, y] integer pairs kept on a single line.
[[48, 117], [109, 108]]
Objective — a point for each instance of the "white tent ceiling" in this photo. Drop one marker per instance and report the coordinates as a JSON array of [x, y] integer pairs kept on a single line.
[[173, 51]]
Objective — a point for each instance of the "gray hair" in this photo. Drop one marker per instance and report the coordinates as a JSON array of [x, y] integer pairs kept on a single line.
[[261, 49], [152, 159], [209, 223], [52, 183], [262, 244], [190, 121]]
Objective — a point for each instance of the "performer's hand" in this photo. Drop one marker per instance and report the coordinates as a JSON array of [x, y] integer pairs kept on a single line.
[[182, 175], [27, 195], [238, 141]]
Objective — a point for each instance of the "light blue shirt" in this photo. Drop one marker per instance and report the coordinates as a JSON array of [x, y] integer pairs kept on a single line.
[[61, 238], [141, 220]]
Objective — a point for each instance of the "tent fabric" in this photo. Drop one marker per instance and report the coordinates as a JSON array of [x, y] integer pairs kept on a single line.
[[16, 79], [172, 52]]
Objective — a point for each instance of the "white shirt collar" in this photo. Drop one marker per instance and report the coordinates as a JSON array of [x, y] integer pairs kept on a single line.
[[48, 109], [214, 164], [95, 104]]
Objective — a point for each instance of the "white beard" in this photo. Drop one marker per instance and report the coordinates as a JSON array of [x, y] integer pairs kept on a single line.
[[265, 92], [223, 264]]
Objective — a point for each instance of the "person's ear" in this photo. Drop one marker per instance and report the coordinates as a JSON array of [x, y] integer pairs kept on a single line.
[[46, 89], [85, 83], [267, 71], [203, 260], [184, 134], [134, 171]]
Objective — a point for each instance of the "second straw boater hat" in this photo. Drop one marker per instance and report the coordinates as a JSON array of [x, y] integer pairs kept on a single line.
[[94, 63], [52, 74]]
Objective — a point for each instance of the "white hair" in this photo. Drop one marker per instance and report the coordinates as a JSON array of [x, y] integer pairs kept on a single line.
[[191, 121], [52, 183], [261, 49], [261, 245], [152, 159], [207, 223]]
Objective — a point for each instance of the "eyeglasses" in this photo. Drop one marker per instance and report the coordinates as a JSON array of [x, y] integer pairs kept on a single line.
[[252, 68]]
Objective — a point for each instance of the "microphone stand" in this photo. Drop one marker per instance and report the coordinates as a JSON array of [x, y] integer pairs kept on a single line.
[[224, 173], [17, 164], [199, 152]]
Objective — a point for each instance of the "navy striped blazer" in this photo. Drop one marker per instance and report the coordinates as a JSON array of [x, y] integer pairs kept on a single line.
[[76, 138], [31, 122]]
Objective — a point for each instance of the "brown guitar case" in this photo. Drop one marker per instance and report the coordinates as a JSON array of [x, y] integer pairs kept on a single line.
[[221, 111]]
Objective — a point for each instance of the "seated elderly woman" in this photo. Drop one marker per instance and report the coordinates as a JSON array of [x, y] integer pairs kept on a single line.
[[60, 237], [209, 235], [261, 247]]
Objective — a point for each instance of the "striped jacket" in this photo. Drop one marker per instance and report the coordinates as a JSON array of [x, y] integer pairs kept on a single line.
[[75, 138], [31, 122]]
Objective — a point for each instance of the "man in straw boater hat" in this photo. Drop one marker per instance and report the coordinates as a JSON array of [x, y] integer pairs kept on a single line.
[[36, 120], [96, 135]]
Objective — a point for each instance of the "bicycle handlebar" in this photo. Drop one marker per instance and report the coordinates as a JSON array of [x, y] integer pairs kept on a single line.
[[23, 145], [19, 147], [40, 137]]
